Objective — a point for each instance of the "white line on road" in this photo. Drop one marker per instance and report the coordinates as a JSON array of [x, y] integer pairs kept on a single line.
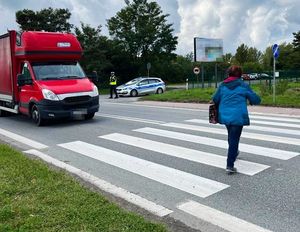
[[105, 186], [218, 218], [152, 106], [22, 139], [277, 118], [257, 136], [257, 150], [245, 167], [253, 127], [184, 181], [130, 118], [276, 124]]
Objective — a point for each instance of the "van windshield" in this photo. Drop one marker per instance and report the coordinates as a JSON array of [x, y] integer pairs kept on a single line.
[[57, 70]]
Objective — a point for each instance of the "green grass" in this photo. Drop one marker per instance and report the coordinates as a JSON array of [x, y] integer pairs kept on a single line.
[[290, 98], [36, 198]]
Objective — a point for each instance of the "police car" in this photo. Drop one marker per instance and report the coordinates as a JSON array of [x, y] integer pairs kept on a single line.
[[142, 86]]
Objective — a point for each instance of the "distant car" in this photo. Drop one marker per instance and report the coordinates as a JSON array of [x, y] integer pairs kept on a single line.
[[246, 77], [264, 76], [253, 76], [142, 86]]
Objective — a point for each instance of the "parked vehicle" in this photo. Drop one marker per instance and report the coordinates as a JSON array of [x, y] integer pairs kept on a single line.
[[142, 86], [263, 76], [246, 76], [40, 77]]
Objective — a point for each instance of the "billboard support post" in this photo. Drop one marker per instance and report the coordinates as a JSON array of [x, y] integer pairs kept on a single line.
[[216, 75], [202, 75]]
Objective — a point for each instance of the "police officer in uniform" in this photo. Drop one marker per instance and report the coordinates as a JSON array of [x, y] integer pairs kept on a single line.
[[113, 84]]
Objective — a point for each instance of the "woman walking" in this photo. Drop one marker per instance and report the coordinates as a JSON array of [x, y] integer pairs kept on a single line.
[[231, 97]]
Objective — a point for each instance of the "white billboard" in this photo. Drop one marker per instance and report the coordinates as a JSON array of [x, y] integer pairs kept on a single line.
[[208, 50]]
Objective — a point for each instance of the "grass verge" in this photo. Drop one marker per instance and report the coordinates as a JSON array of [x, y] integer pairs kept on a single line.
[[36, 198], [290, 97]]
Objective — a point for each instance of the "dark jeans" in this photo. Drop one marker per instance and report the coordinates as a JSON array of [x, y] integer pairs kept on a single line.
[[234, 134], [113, 89]]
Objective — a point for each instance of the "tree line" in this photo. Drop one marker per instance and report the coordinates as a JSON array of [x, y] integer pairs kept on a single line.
[[140, 34]]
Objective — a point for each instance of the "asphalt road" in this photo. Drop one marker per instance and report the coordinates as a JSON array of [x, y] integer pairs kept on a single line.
[[173, 158]]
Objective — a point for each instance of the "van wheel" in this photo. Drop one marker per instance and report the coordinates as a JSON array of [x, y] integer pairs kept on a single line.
[[159, 91], [89, 116], [133, 93], [36, 116], [3, 113]]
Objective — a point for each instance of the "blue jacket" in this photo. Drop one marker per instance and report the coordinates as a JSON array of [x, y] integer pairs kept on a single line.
[[232, 100]]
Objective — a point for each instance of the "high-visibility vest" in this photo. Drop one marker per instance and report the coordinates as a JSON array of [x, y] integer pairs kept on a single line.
[[113, 80]]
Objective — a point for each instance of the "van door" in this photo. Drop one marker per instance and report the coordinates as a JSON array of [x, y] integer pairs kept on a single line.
[[29, 90]]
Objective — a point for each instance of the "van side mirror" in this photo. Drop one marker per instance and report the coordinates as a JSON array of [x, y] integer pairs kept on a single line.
[[93, 76], [23, 80]]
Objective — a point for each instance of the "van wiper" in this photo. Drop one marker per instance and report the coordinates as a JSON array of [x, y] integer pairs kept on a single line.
[[50, 78], [71, 77]]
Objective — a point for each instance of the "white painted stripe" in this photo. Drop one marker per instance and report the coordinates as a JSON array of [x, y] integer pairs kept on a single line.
[[22, 139], [245, 167], [184, 181], [140, 104], [276, 124], [105, 186], [281, 119], [257, 150], [218, 218], [275, 115], [252, 127], [257, 136], [129, 118]]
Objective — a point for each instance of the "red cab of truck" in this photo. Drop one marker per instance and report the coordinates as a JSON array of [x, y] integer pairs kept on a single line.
[[40, 76]]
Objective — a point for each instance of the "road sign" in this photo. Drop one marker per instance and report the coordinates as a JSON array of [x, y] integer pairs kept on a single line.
[[148, 65], [196, 70], [275, 49]]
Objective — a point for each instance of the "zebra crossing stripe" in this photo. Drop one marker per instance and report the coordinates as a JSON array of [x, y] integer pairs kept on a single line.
[[22, 139], [105, 186], [276, 124], [253, 127], [257, 150], [256, 136], [281, 119], [196, 185], [245, 167], [218, 218]]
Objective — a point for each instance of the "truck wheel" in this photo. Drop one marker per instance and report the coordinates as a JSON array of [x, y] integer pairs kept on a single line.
[[89, 116], [36, 116], [133, 93]]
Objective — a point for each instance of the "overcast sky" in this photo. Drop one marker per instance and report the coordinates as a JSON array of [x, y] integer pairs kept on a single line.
[[257, 23]]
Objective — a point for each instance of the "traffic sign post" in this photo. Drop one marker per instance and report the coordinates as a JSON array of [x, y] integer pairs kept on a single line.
[[275, 50], [196, 71], [148, 67]]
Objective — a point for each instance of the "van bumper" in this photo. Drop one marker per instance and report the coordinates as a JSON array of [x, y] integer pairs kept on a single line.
[[62, 109]]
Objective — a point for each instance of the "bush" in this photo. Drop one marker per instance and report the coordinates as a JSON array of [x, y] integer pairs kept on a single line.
[[281, 86], [264, 89]]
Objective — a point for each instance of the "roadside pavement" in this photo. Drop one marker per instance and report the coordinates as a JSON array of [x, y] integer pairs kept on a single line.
[[201, 106]]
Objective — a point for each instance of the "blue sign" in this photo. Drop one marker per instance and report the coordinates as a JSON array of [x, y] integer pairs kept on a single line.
[[275, 49]]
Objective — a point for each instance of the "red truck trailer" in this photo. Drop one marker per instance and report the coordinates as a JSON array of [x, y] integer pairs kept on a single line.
[[40, 76]]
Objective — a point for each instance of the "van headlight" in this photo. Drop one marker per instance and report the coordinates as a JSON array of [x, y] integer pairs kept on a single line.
[[95, 92], [49, 95]]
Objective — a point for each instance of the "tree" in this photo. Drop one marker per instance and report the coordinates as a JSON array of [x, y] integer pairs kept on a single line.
[[241, 54], [96, 48], [296, 53], [46, 19], [142, 30], [296, 41], [227, 58]]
